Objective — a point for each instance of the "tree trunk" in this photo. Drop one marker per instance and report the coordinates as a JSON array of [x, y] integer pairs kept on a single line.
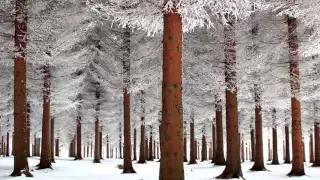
[[220, 160], [253, 151], [275, 160], [108, 148], [142, 157], [185, 141], [2, 146], [79, 139], [91, 148], [127, 162], [20, 96], [233, 166], [52, 140], [297, 149], [247, 154], [242, 151], [311, 149], [171, 165], [150, 158], [96, 142], [45, 159], [100, 144], [203, 149], [154, 149], [134, 144], [269, 150], [28, 129], [192, 143], [146, 149], [57, 147], [213, 160], [304, 151], [288, 159]]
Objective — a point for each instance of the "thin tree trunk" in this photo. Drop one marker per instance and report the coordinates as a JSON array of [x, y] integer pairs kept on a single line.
[[213, 160], [79, 139], [142, 157], [57, 147], [96, 142], [258, 155], [108, 148], [185, 141], [275, 160], [192, 143], [2, 146], [28, 128], [220, 160], [288, 159], [203, 149], [247, 155], [297, 149], [242, 151], [311, 149], [8, 144], [20, 96], [171, 165], [154, 149], [233, 166], [100, 144], [45, 159], [304, 151], [134, 144], [52, 140], [253, 151], [146, 150], [150, 158], [269, 150]]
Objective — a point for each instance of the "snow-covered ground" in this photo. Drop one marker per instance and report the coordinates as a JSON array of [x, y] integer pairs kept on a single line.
[[68, 169]]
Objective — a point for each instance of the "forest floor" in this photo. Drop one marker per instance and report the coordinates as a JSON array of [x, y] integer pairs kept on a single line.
[[68, 169]]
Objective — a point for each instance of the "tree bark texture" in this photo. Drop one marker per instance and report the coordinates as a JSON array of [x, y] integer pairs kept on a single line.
[[220, 160], [214, 147], [52, 140], [171, 164], [311, 160], [233, 166], [297, 149], [20, 96], [79, 139], [192, 143], [142, 157], [134, 144], [45, 159]]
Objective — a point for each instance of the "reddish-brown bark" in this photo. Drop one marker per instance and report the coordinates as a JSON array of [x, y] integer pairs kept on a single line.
[[127, 162], [20, 95], [52, 140], [45, 158], [96, 141], [220, 160], [297, 149], [100, 143], [146, 148], [242, 151], [287, 159], [79, 139], [311, 160], [193, 150], [2, 146], [233, 166], [134, 144], [213, 159], [171, 164], [8, 145], [316, 145], [275, 159]]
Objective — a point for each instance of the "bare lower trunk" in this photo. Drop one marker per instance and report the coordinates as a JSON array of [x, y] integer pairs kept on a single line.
[[28, 128], [52, 140], [57, 147], [142, 158], [45, 159], [108, 148], [79, 139], [96, 142], [311, 149], [100, 144], [269, 150], [204, 149], [213, 159], [171, 164], [134, 144], [150, 158], [253, 149], [275, 159], [288, 159], [220, 160], [192, 143]]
